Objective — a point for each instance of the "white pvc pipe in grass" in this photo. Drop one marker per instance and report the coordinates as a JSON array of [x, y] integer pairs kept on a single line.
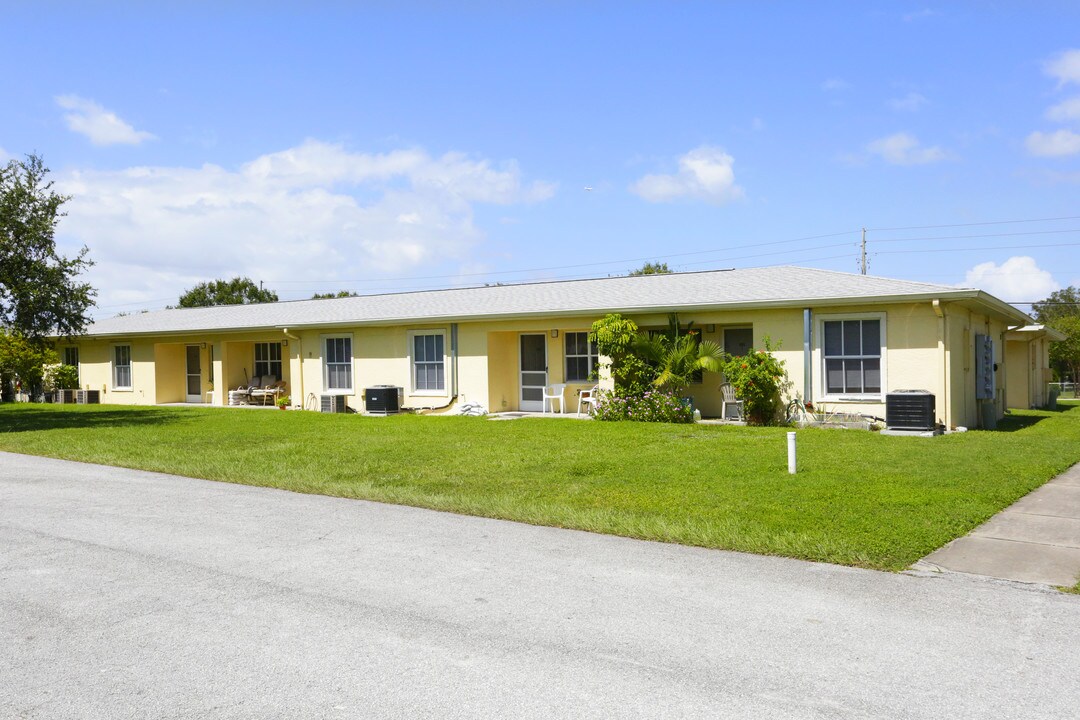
[[791, 453]]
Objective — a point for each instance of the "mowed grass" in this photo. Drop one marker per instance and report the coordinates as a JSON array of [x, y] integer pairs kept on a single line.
[[859, 498]]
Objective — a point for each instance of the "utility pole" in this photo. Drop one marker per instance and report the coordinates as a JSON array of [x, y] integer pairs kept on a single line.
[[862, 260]]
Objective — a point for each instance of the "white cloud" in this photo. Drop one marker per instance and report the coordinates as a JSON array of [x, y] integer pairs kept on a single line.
[[313, 212], [1065, 67], [920, 15], [1055, 144], [101, 126], [904, 149], [1018, 279], [911, 102], [705, 173], [1065, 111]]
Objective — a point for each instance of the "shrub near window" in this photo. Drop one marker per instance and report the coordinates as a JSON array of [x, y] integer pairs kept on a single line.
[[653, 406], [759, 379]]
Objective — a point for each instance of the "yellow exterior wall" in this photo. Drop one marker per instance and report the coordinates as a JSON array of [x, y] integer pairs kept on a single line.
[[924, 351], [170, 373], [1018, 383]]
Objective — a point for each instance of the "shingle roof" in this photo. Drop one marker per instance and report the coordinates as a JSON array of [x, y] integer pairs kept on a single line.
[[741, 288]]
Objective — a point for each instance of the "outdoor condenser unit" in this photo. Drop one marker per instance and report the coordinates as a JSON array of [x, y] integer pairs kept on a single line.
[[88, 397], [383, 399], [333, 404], [66, 397], [910, 410]]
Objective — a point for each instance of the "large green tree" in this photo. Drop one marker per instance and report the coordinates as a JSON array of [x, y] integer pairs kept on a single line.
[[1062, 303], [1061, 311], [238, 291], [40, 291]]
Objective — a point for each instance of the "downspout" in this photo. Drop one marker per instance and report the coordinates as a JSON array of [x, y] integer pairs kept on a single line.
[[808, 360], [943, 347], [453, 361], [453, 374], [299, 354]]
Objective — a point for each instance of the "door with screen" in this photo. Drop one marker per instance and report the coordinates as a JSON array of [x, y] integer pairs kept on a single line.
[[533, 372]]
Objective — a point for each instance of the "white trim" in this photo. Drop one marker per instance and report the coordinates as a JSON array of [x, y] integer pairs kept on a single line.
[[593, 360], [410, 344], [130, 366], [351, 390], [820, 385]]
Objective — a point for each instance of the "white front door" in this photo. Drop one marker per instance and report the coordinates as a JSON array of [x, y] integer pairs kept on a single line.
[[194, 374], [533, 372]]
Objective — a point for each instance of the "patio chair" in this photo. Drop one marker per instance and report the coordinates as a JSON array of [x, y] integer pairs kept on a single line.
[[268, 395], [588, 398], [553, 393], [729, 400]]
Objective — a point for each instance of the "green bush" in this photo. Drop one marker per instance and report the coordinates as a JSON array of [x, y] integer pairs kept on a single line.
[[652, 406], [760, 380]]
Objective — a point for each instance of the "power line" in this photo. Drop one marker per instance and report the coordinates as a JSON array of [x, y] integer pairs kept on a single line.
[[973, 224], [987, 235], [987, 247], [571, 267]]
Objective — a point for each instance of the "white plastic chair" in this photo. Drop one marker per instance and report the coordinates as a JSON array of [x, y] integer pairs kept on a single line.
[[553, 393], [729, 399], [587, 398]]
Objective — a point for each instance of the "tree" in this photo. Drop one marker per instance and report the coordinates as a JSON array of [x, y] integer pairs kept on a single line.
[[40, 294], [331, 296], [650, 268], [25, 361], [1061, 311], [614, 336], [1061, 303], [238, 291], [1065, 354], [678, 356]]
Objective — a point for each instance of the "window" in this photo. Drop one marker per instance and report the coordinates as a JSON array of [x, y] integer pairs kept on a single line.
[[337, 364], [122, 367], [738, 341], [852, 356], [581, 357], [429, 369], [268, 360], [71, 356]]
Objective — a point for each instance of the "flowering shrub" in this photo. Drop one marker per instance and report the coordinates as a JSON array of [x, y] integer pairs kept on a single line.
[[652, 406], [759, 379]]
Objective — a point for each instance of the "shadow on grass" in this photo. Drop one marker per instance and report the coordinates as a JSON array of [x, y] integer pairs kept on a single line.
[[43, 417]]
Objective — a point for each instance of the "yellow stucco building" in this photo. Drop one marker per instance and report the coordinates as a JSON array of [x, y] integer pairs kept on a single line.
[[847, 341]]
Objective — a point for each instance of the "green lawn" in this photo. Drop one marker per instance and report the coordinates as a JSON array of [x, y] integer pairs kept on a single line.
[[859, 498]]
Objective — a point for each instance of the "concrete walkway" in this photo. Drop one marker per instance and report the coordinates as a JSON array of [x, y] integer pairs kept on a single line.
[[1035, 540]]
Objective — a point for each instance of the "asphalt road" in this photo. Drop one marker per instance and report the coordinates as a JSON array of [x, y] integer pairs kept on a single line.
[[126, 594]]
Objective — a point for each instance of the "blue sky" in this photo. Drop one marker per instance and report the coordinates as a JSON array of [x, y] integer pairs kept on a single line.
[[393, 147]]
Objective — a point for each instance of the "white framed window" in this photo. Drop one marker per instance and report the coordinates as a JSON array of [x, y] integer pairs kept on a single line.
[[337, 364], [852, 356], [121, 367], [427, 351], [268, 360], [581, 357]]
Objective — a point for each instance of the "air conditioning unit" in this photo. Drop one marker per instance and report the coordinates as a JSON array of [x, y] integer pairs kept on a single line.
[[88, 397], [383, 399], [910, 410], [65, 397], [333, 404]]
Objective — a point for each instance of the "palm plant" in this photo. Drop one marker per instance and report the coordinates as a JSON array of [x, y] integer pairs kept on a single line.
[[677, 355]]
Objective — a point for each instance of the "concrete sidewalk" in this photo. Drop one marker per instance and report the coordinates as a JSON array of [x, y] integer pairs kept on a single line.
[[1035, 540]]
